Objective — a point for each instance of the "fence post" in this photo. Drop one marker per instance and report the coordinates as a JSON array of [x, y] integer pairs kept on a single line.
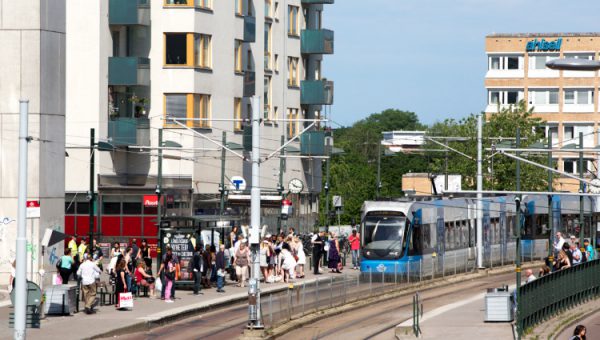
[[271, 310], [395, 273], [408, 271], [344, 288], [421, 270], [330, 291], [370, 281], [455, 254], [303, 296], [444, 265], [317, 303]]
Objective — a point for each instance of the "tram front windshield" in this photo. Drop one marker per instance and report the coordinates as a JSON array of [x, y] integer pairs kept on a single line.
[[384, 232]]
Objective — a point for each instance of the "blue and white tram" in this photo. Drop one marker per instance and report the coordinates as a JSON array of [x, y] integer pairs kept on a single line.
[[399, 236]]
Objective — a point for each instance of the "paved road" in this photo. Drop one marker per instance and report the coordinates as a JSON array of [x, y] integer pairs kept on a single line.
[[592, 326], [371, 322]]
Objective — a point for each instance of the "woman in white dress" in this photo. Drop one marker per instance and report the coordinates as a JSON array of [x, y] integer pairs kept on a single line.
[[288, 265], [265, 254], [301, 257]]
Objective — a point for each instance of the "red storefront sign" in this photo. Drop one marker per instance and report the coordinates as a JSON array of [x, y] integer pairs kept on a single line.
[[150, 201]]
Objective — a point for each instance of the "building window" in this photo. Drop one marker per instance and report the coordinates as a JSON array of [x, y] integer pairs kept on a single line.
[[538, 62], [269, 8], [239, 7], [237, 114], [183, 3], [268, 47], [275, 114], [176, 49], [293, 72], [206, 4], [294, 23], [238, 55], [267, 99], [543, 97], [202, 50], [568, 134], [292, 123], [552, 130], [189, 49], [201, 111], [509, 97], [588, 56], [276, 62], [192, 110], [511, 62], [571, 165], [581, 97]]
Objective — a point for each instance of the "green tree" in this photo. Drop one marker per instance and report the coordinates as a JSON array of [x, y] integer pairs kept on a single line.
[[353, 174], [499, 170]]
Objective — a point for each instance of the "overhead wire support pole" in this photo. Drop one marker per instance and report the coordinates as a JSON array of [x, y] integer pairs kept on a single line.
[[289, 141], [581, 189], [254, 310], [479, 202], [550, 188], [92, 191], [518, 240], [378, 170], [174, 120], [158, 200], [221, 189], [21, 255], [280, 183]]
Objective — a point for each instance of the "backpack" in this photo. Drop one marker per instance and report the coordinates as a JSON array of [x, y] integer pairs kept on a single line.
[[583, 256], [59, 263]]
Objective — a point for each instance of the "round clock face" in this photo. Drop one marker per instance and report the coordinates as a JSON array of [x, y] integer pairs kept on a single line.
[[595, 187], [295, 186]]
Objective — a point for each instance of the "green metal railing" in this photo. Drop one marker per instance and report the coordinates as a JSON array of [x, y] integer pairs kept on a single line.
[[549, 295]]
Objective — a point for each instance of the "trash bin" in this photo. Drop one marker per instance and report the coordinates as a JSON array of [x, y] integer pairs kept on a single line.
[[498, 305], [61, 300]]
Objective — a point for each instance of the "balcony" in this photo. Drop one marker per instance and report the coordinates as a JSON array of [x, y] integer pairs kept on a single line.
[[249, 29], [318, 2], [316, 92], [312, 143], [317, 41], [125, 131], [129, 12], [128, 71], [249, 83]]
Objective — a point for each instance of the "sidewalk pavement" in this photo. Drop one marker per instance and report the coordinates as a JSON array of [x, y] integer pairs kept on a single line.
[[459, 320], [108, 320]]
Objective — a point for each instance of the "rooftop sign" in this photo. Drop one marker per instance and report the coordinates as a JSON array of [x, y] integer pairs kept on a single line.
[[543, 45]]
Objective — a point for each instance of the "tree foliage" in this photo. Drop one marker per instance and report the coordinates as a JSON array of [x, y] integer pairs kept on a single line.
[[499, 170]]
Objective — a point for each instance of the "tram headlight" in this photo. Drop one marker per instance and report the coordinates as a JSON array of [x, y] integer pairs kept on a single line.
[[368, 253], [394, 253]]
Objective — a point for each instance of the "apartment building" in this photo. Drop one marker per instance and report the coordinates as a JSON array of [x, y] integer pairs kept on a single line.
[[33, 69], [566, 100], [189, 68]]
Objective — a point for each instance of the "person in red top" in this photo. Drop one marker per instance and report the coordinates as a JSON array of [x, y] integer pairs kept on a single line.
[[354, 240]]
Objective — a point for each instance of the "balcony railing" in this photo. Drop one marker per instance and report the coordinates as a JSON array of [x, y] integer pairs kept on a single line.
[[128, 131], [129, 12], [249, 29], [128, 71], [318, 2], [317, 41], [316, 92]]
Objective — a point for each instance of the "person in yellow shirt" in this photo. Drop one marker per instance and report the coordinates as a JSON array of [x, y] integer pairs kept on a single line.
[[73, 246], [82, 249]]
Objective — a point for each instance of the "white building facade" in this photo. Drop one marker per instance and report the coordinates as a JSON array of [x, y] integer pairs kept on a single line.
[[189, 68]]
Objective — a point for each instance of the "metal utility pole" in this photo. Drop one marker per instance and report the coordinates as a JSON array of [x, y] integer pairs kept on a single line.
[[446, 163], [550, 217], [255, 317], [280, 183], [92, 192], [328, 151], [158, 196], [21, 256], [479, 195], [518, 239], [378, 171], [222, 188], [581, 188]]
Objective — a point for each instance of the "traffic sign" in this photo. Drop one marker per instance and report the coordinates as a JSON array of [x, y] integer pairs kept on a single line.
[[238, 183], [33, 209]]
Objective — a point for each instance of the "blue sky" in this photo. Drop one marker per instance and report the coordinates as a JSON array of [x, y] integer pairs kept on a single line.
[[428, 56]]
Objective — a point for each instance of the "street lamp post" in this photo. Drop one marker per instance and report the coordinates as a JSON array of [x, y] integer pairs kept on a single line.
[[92, 194]]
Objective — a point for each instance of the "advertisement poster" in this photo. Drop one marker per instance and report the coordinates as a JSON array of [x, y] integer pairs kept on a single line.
[[183, 246]]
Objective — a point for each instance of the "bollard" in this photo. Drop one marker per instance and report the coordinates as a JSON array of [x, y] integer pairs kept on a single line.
[[271, 310], [330, 291], [408, 272], [303, 296], [455, 263], [317, 296]]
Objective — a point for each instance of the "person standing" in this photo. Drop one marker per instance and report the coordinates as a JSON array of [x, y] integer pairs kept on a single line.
[[317, 249], [265, 254], [129, 266], [579, 333], [590, 255], [301, 262], [145, 253], [81, 249], [242, 259], [66, 265], [121, 281], [220, 265], [334, 254], [197, 267], [288, 263], [529, 276], [88, 272], [135, 253], [559, 241], [169, 277], [575, 255], [354, 240], [207, 266], [163, 270]]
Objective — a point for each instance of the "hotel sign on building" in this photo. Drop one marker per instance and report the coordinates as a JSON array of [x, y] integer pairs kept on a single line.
[[567, 101]]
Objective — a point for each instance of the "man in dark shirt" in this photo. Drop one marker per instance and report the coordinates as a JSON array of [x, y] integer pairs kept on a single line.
[[197, 266], [220, 265], [317, 242], [136, 250]]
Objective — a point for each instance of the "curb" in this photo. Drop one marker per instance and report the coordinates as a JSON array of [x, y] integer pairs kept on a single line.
[[291, 325]]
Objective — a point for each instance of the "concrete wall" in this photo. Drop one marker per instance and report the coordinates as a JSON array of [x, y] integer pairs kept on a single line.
[[32, 67]]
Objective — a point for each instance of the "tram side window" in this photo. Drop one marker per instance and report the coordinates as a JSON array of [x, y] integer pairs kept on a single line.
[[428, 238], [465, 231], [416, 243], [496, 231]]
